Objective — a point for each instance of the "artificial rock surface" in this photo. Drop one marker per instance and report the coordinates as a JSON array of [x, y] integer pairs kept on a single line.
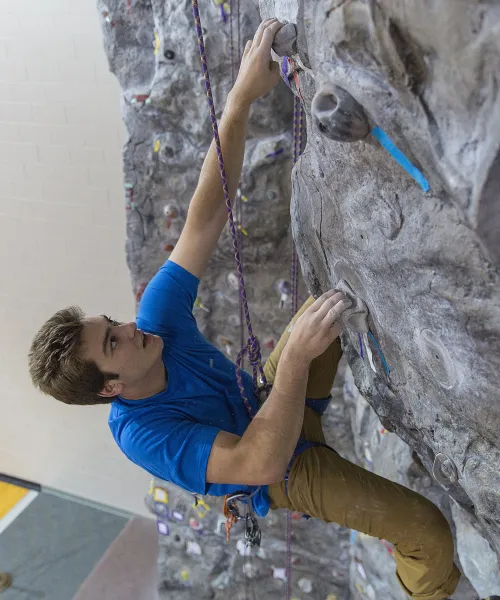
[[424, 264]]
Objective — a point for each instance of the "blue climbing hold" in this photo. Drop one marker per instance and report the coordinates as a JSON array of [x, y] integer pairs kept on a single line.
[[400, 158]]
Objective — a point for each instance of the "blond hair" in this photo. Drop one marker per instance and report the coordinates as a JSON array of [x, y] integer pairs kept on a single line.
[[56, 365]]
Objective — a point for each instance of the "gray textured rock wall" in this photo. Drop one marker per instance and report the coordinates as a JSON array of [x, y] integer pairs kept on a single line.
[[425, 264]]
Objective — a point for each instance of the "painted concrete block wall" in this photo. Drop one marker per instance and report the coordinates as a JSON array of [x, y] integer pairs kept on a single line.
[[62, 231]]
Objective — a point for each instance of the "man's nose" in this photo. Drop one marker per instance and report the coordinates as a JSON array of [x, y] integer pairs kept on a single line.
[[131, 328]]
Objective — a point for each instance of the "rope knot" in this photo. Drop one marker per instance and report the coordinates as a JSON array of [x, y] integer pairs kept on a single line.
[[254, 354]]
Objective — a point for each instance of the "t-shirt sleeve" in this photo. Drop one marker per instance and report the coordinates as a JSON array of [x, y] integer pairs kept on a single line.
[[168, 300], [177, 451]]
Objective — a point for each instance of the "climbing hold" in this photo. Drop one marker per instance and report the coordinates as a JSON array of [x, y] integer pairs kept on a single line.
[[305, 585], [160, 495], [177, 516], [194, 524], [168, 247], [157, 146], [242, 197], [171, 211], [338, 115], [233, 281], [379, 352], [360, 588], [157, 43], [355, 317], [269, 343], [331, 597], [285, 41], [243, 549], [163, 528], [161, 509], [250, 570], [201, 507], [273, 154], [185, 574], [444, 470], [141, 99], [285, 289], [199, 304], [194, 548], [169, 54], [242, 229], [400, 158], [279, 573], [437, 358], [361, 570]]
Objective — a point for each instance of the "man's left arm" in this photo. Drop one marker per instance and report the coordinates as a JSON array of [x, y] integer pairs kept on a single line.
[[207, 213]]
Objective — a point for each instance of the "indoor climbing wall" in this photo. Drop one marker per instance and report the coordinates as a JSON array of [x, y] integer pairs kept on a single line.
[[393, 202], [396, 194]]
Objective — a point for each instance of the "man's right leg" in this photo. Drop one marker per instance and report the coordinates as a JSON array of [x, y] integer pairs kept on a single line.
[[326, 486]]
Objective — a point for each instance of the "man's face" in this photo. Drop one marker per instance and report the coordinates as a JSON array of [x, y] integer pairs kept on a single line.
[[120, 348]]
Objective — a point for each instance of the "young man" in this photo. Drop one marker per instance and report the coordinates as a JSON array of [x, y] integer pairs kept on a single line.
[[176, 408]]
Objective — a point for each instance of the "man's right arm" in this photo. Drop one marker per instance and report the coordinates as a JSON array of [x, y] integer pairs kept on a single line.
[[262, 454]]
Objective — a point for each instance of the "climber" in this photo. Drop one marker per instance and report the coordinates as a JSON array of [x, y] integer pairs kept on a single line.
[[176, 408]]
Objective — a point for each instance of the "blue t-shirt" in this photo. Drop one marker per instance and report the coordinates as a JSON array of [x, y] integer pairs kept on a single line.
[[170, 435]]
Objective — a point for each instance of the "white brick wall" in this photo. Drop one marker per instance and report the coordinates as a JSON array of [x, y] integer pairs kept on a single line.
[[62, 227]]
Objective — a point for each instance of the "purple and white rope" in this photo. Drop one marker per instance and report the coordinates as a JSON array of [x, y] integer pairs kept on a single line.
[[252, 349], [298, 126]]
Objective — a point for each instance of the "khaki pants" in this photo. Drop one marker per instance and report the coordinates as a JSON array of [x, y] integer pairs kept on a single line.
[[325, 486]]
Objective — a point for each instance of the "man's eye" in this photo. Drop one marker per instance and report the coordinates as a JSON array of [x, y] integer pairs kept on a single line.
[[113, 342]]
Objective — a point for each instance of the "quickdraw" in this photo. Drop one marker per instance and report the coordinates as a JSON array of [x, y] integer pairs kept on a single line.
[[232, 513]]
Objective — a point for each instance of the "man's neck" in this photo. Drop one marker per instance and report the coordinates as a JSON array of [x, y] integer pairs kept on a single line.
[[153, 383]]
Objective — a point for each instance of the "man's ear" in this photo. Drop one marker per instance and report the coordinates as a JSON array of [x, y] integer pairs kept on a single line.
[[111, 388]]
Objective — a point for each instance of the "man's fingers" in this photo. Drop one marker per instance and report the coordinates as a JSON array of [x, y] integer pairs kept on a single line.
[[269, 33], [333, 305], [336, 311], [248, 47], [318, 303], [260, 31]]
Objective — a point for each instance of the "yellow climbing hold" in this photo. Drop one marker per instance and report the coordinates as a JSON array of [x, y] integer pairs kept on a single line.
[[185, 574], [227, 8], [201, 508], [151, 487], [161, 495], [157, 146], [157, 43], [243, 230], [360, 588], [331, 597]]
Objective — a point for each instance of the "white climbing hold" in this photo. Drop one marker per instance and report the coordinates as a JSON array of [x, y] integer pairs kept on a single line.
[[243, 549], [369, 352], [361, 570], [250, 570], [193, 548], [279, 573], [305, 585]]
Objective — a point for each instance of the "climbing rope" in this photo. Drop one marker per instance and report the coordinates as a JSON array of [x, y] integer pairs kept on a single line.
[[252, 348], [298, 126]]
